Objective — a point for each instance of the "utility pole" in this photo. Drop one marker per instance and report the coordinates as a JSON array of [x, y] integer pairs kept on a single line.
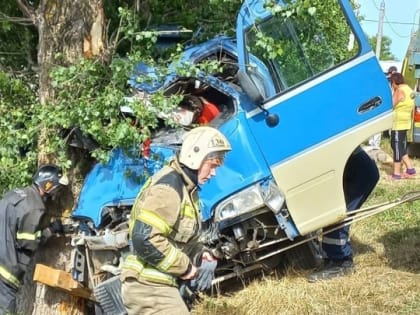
[[375, 140], [380, 27]]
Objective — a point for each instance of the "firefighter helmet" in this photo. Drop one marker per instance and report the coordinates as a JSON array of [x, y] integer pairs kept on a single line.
[[49, 178], [202, 143]]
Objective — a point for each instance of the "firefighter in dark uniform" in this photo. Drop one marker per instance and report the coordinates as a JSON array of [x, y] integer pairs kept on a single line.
[[164, 229], [21, 212]]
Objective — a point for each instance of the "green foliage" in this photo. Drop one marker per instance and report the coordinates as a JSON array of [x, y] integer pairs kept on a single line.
[[303, 38], [386, 42], [18, 39], [319, 20], [89, 96], [17, 132], [215, 17]]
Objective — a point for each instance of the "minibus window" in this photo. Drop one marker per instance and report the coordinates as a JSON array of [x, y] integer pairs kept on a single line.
[[297, 47]]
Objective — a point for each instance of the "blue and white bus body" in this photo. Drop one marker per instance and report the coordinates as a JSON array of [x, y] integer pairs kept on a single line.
[[321, 121]]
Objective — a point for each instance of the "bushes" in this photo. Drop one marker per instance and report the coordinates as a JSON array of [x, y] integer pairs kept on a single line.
[[17, 134]]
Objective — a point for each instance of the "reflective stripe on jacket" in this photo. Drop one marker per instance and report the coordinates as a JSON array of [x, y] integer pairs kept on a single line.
[[163, 228], [149, 273], [5, 274], [21, 211]]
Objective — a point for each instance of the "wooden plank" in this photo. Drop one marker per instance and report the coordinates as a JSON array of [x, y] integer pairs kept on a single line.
[[62, 280]]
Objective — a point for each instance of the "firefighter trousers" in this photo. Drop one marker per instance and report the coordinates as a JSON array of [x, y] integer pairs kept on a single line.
[[7, 298], [146, 299]]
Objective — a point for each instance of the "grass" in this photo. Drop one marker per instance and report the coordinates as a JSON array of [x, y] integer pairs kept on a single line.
[[387, 279]]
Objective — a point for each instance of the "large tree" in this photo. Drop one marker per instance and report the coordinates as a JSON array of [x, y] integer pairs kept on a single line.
[[67, 31], [386, 53]]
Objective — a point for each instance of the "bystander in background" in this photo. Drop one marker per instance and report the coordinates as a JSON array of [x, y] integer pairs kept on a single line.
[[403, 106]]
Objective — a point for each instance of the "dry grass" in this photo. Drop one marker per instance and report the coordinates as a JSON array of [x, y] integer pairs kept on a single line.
[[387, 280]]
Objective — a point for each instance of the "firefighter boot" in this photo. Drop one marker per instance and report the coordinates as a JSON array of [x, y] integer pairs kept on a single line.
[[333, 269]]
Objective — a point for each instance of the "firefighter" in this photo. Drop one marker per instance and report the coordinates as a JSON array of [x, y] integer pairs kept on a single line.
[[21, 213], [164, 229]]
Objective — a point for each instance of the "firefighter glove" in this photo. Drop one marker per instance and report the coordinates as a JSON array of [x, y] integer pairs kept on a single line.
[[56, 226], [205, 274]]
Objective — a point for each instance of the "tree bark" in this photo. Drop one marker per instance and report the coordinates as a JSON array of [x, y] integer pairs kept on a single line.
[[68, 30]]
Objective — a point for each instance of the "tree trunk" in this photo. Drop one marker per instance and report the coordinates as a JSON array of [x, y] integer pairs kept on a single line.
[[68, 30]]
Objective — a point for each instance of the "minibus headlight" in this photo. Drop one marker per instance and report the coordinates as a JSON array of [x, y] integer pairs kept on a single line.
[[254, 197]]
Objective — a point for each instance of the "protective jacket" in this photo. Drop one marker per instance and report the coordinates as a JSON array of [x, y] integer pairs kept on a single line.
[[164, 228], [21, 211]]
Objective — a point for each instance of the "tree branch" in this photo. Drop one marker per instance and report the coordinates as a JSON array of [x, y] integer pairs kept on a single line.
[[27, 10], [18, 20]]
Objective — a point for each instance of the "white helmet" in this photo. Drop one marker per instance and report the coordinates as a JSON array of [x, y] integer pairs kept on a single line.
[[202, 143]]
